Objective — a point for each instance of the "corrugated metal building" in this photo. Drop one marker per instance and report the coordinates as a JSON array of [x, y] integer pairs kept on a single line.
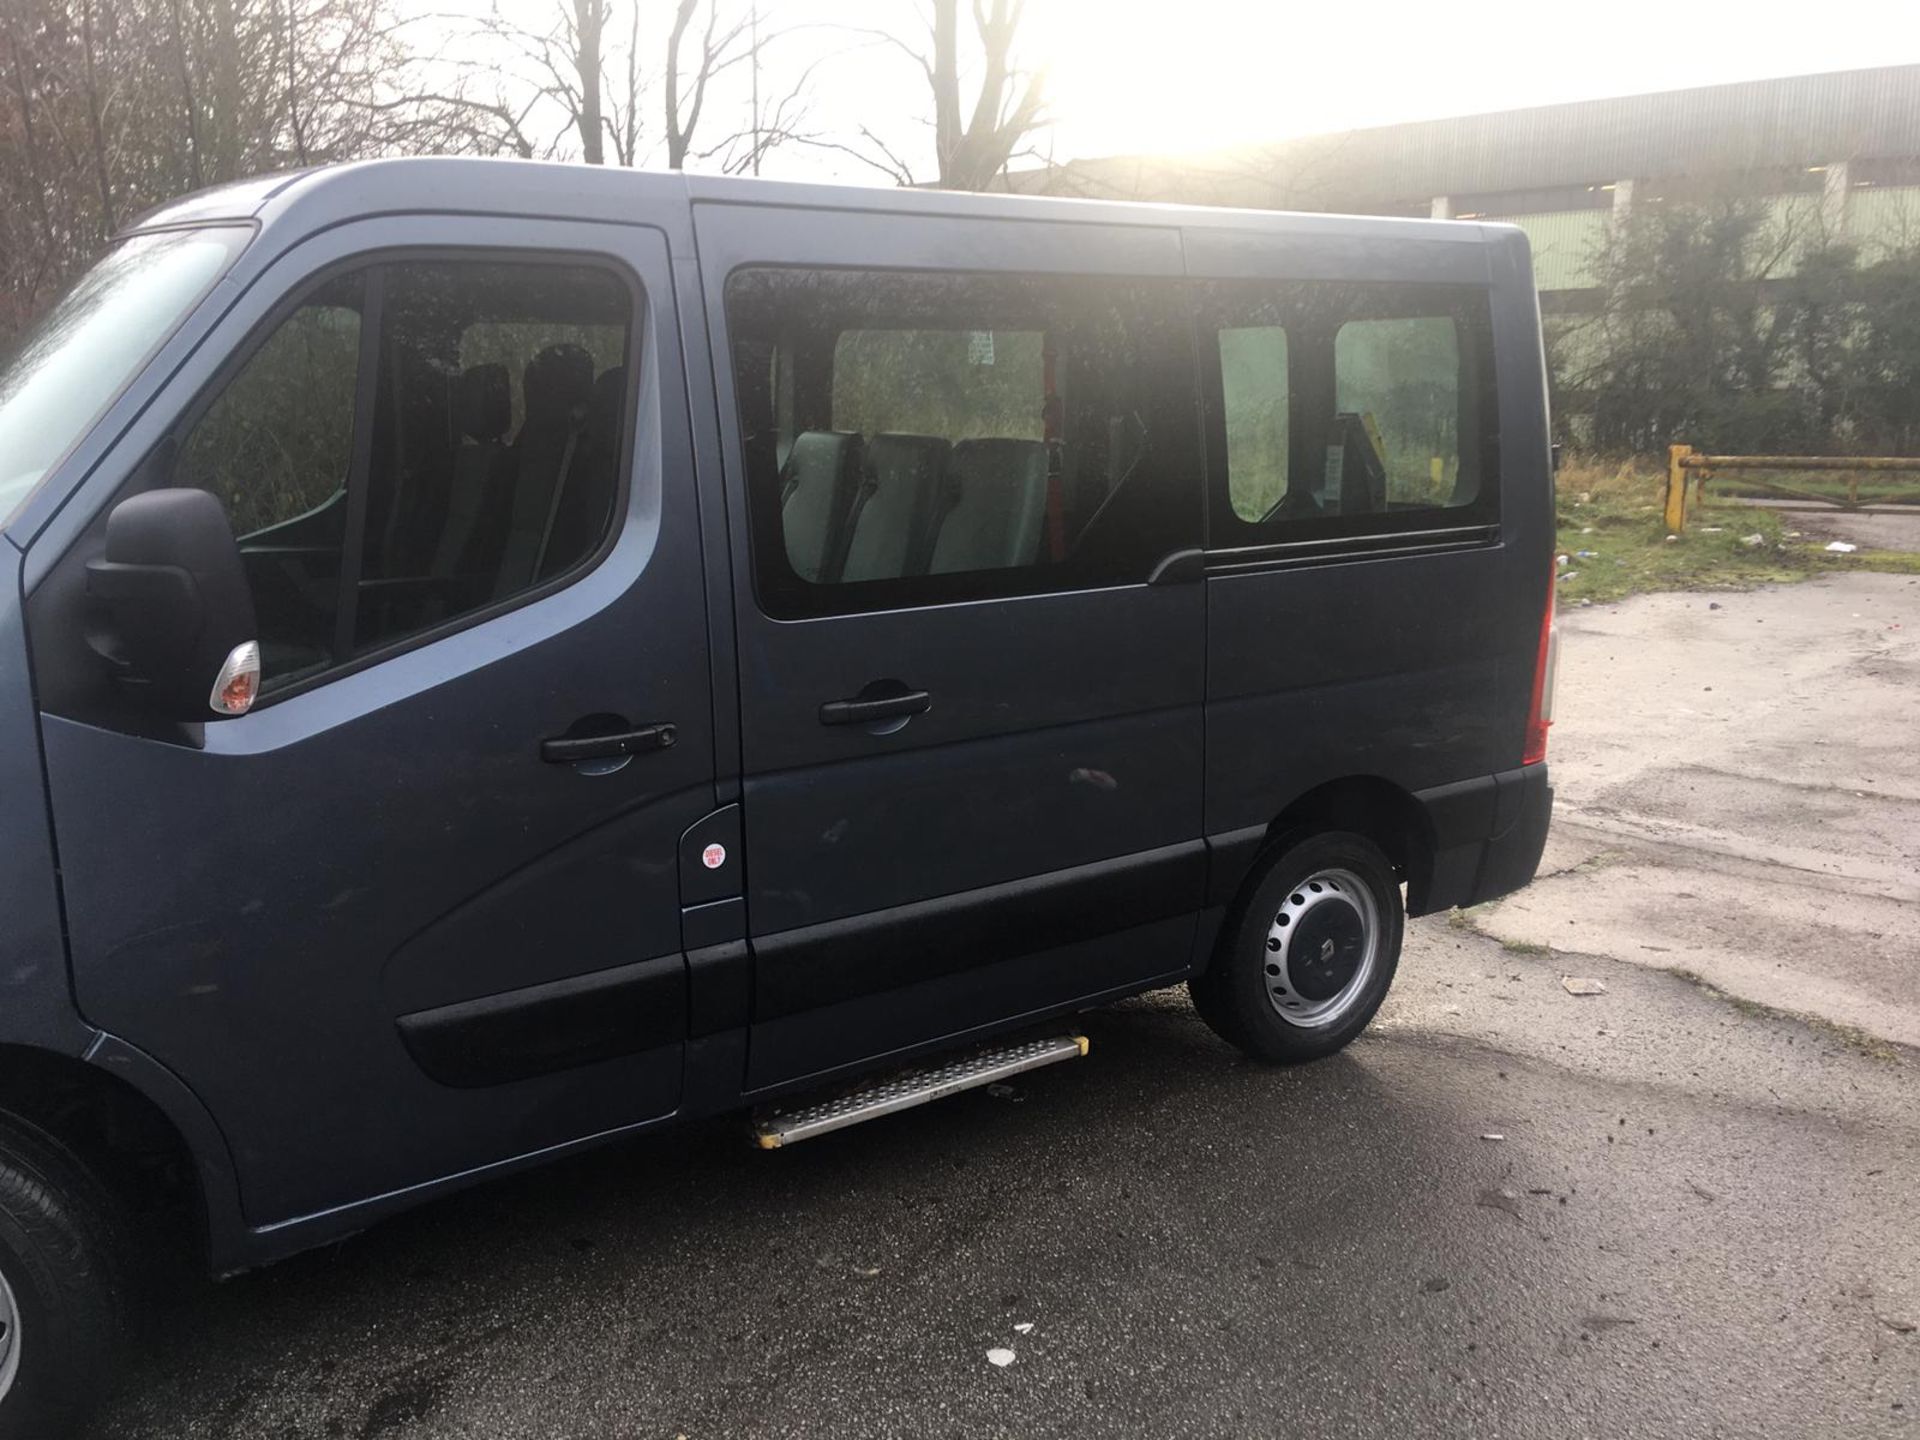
[[1837, 154]]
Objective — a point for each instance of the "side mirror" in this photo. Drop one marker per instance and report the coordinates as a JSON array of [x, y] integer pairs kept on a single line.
[[175, 606]]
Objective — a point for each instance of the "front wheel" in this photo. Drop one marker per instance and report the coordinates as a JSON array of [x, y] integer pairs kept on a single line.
[[1308, 950], [60, 1296]]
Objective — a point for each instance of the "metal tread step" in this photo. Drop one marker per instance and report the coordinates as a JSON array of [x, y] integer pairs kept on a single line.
[[914, 1087]]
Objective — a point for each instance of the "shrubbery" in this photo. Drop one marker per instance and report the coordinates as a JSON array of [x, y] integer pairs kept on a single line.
[[1735, 326]]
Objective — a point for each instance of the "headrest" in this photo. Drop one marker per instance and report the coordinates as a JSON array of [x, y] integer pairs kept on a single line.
[[485, 402], [558, 385], [822, 452]]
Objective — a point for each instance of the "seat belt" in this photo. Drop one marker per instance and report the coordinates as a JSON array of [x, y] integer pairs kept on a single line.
[[553, 505]]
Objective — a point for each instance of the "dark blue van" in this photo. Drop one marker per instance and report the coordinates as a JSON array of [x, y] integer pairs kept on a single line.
[[496, 658]]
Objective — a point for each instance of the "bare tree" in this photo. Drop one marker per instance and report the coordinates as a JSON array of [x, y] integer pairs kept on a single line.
[[108, 107], [1007, 108], [728, 41], [589, 35], [580, 72], [717, 51], [972, 142]]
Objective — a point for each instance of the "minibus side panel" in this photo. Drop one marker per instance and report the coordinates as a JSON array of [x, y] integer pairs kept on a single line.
[[910, 887], [380, 938], [1366, 655], [36, 1003]]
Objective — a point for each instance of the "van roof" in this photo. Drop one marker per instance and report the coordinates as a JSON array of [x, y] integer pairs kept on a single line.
[[589, 192]]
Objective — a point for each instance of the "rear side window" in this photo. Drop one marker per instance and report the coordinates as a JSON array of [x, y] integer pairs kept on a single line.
[[918, 438], [1253, 382], [1402, 377], [415, 443], [1349, 409]]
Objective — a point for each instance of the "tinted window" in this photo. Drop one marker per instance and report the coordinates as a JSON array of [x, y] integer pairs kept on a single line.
[[1402, 377], [278, 441], [1350, 409], [1253, 379], [415, 443], [93, 342], [918, 438]]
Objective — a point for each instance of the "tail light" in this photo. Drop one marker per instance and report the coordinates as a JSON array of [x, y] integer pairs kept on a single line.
[[1540, 709]]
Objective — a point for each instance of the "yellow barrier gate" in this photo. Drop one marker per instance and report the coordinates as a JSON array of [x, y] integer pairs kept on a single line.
[[1681, 460]]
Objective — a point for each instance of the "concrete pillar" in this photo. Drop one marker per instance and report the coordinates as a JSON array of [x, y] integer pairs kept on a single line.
[[1838, 184], [1442, 207]]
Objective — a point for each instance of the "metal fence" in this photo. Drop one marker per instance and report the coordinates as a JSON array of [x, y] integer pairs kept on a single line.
[[1682, 462]]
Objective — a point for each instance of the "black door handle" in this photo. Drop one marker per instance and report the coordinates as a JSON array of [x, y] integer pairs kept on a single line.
[[881, 707], [566, 749]]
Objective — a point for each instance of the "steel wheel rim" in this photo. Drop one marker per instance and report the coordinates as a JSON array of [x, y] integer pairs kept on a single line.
[[1322, 949], [10, 1338]]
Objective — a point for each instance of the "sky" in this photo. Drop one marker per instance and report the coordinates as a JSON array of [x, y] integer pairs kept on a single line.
[[1172, 75], [1132, 76], [1233, 71]]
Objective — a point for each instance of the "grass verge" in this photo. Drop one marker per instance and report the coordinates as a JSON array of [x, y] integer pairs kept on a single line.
[[1613, 532]]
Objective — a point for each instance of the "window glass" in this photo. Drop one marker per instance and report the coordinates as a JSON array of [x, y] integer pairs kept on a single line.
[[964, 384], [476, 459], [94, 341], [276, 447], [1350, 409], [1402, 378], [1253, 379], [920, 438], [278, 441]]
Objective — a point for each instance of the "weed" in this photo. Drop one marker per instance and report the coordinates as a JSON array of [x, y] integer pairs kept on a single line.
[[1849, 1037], [1525, 947], [1612, 529]]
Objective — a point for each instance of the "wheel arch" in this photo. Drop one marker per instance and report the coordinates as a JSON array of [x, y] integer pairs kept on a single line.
[[1369, 805], [1388, 814], [140, 1132]]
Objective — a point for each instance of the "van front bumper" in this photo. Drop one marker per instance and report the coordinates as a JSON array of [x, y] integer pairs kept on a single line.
[[1488, 834]]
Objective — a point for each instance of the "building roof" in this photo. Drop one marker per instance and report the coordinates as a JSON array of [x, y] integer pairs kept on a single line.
[[1801, 120]]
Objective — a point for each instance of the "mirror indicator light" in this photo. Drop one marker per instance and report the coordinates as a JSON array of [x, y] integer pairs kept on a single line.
[[237, 685]]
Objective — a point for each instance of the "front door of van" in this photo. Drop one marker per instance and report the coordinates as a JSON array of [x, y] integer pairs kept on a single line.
[[970, 720], [380, 925]]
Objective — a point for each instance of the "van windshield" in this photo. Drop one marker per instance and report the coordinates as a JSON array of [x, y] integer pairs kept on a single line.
[[93, 342]]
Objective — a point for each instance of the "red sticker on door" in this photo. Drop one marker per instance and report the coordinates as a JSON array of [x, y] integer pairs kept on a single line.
[[714, 856]]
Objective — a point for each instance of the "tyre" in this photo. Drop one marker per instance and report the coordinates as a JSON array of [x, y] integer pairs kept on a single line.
[[61, 1300], [1307, 951]]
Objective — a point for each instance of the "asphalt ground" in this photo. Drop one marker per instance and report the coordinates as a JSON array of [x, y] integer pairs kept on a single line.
[[1699, 1222], [1737, 796], [1698, 1219]]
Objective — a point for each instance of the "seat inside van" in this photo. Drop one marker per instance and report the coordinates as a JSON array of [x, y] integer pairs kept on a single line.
[[901, 502], [997, 506], [483, 413], [823, 473], [557, 387]]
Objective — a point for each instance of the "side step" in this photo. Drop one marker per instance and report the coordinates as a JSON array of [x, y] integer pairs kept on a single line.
[[913, 1087]]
